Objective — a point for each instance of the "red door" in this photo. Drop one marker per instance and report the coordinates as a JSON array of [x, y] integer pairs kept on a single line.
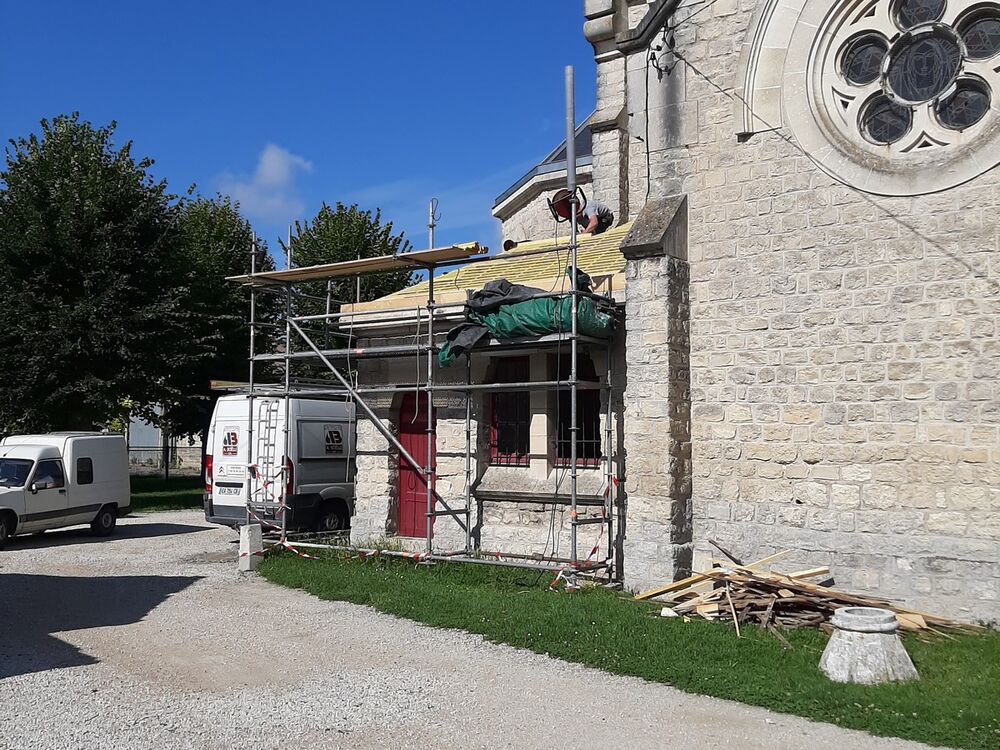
[[412, 487]]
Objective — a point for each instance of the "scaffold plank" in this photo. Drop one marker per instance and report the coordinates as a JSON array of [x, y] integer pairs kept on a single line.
[[415, 260]]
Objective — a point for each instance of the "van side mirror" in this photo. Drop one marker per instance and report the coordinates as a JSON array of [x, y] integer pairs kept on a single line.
[[34, 488]]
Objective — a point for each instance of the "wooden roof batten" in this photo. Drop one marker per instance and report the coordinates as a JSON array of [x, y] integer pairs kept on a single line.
[[416, 260]]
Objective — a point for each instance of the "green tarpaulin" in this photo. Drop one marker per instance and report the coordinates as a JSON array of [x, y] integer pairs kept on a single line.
[[535, 317]]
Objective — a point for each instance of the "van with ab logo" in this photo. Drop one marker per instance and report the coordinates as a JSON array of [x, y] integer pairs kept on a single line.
[[258, 465]]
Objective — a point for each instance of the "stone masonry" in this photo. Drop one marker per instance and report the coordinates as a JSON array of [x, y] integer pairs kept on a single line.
[[844, 356], [513, 510]]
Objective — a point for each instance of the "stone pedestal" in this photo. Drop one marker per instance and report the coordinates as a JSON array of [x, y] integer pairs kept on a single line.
[[866, 649], [251, 547]]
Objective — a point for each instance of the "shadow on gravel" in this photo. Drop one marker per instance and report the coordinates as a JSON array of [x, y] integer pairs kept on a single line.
[[35, 606], [83, 535]]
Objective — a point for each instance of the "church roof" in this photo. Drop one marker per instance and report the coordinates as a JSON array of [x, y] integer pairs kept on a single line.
[[541, 263]]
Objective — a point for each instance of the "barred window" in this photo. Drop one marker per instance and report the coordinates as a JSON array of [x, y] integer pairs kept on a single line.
[[588, 414], [510, 421]]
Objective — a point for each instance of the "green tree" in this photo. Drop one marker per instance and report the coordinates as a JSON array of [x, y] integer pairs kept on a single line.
[[214, 242], [92, 291], [346, 233]]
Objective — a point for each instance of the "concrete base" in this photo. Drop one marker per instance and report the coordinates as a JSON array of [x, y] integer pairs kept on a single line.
[[866, 649], [251, 547]]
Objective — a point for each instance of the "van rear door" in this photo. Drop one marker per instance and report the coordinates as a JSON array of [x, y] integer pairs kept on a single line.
[[234, 449], [228, 438]]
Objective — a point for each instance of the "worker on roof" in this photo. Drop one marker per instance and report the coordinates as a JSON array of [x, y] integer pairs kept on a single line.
[[594, 218]]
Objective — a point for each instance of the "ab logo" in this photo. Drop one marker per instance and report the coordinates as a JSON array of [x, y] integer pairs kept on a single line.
[[231, 441], [333, 440]]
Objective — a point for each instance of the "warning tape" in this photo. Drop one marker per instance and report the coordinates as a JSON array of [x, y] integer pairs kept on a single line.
[[255, 473], [614, 483], [262, 521], [290, 548]]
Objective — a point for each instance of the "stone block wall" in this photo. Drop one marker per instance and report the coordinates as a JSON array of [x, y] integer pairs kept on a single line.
[[531, 527], [844, 354], [658, 538], [525, 216], [531, 222]]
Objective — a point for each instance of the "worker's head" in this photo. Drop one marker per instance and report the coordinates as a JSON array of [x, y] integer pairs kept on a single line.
[[561, 204]]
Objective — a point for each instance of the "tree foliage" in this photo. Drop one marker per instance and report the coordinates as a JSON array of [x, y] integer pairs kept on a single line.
[[346, 233], [214, 242], [113, 299], [92, 295]]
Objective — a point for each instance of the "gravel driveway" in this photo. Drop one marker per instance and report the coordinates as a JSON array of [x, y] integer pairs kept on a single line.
[[150, 639]]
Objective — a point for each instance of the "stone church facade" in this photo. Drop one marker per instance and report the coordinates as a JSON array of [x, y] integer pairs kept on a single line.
[[824, 176], [807, 204]]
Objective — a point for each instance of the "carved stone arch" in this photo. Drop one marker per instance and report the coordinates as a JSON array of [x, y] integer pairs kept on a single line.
[[790, 76], [761, 67]]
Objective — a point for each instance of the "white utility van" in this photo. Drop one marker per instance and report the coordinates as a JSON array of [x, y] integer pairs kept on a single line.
[[315, 470], [62, 479]]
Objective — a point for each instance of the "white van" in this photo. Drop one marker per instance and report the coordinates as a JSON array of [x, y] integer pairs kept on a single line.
[[62, 479], [315, 470]]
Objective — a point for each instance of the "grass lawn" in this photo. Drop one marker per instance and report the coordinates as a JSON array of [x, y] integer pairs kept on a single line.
[[956, 703], [177, 493]]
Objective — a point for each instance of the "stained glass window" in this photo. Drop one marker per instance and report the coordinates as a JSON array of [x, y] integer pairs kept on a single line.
[[982, 37], [886, 122], [932, 68], [863, 60], [967, 106], [910, 13], [924, 67]]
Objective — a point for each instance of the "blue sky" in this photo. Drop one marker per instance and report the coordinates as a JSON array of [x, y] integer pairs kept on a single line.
[[285, 105]]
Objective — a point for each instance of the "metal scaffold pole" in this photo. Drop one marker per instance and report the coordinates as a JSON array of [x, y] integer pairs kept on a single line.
[[253, 334], [429, 470], [468, 456], [610, 454], [286, 465], [573, 425]]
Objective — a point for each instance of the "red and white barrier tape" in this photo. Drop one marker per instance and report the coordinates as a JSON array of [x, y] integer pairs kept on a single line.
[[262, 521]]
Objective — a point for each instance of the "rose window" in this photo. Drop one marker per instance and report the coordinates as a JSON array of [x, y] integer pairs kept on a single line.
[[915, 74]]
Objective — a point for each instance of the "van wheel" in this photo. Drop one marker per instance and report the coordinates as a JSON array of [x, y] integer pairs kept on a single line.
[[332, 518], [5, 528], [105, 521]]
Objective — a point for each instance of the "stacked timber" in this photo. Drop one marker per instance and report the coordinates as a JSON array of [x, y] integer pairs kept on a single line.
[[748, 594]]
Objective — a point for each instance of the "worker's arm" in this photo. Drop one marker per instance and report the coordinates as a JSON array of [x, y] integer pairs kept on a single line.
[[591, 225]]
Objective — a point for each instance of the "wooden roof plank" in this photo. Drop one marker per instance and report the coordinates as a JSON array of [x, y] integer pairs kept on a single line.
[[413, 260]]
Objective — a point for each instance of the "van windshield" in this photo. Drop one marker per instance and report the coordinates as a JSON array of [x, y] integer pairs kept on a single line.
[[14, 471]]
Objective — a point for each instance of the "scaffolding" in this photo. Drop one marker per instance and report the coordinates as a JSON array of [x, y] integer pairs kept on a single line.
[[267, 487]]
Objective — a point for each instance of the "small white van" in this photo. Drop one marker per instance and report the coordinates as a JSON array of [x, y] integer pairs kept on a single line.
[[315, 471], [62, 479]]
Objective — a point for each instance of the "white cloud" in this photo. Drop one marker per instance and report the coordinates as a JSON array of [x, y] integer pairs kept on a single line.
[[270, 193]]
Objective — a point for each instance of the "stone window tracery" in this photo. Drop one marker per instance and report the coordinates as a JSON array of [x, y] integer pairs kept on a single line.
[[913, 73]]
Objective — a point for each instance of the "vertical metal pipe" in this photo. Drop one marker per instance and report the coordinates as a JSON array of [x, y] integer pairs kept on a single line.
[[253, 334], [571, 186], [286, 456], [326, 321], [431, 223], [468, 456], [610, 453], [429, 470]]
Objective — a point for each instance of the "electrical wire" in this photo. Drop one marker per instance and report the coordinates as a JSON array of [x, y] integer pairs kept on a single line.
[[687, 20], [732, 95]]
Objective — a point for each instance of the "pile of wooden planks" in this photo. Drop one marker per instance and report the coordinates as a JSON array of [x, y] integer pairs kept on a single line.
[[748, 594]]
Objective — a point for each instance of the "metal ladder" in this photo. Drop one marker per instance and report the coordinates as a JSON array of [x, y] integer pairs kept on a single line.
[[266, 489]]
